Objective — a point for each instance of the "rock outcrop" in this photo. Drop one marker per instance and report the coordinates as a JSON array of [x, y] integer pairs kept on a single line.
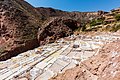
[[104, 66], [55, 28], [18, 28]]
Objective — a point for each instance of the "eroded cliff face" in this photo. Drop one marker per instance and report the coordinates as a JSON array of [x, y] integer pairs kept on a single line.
[[55, 28], [18, 28]]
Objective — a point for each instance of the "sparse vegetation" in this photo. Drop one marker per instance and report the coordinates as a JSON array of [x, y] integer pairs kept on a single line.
[[2, 49], [117, 17], [96, 22], [83, 28], [115, 28]]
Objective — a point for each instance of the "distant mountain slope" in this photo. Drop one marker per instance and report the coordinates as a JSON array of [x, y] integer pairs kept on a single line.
[[80, 16]]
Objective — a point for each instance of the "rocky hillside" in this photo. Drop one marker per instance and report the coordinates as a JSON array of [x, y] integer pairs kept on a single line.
[[21, 26], [82, 17], [110, 21], [18, 29], [55, 28]]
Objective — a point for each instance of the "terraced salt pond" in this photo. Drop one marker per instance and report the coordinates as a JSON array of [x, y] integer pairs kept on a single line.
[[47, 61]]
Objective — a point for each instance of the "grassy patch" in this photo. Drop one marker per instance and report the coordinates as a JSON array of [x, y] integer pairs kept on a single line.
[[97, 22], [117, 17], [2, 49], [115, 28]]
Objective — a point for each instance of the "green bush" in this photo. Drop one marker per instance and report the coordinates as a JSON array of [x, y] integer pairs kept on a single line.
[[93, 23], [96, 22], [2, 49], [83, 28], [117, 17], [115, 28]]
